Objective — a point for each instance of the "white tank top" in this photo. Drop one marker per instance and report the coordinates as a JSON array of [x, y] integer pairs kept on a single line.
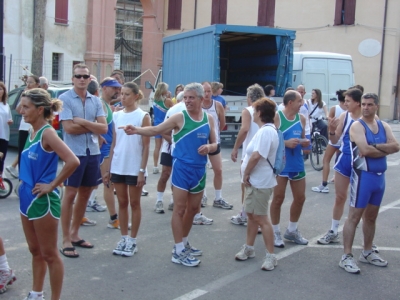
[[338, 112], [252, 131], [212, 110], [128, 148]]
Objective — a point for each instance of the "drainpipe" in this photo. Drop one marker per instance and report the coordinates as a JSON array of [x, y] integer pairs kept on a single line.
[[195, 14], [383, 49]]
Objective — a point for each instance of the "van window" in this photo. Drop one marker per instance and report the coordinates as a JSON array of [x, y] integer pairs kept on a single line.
[[12, 98]]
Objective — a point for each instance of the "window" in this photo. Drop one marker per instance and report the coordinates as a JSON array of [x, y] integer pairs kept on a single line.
[[219, 11], [61, 12], [266, 13], [56, 67], [345, 12], [174, 14]]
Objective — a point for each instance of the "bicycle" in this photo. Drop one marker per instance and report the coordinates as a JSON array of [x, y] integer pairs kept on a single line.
[[6, 185], [318, 147]]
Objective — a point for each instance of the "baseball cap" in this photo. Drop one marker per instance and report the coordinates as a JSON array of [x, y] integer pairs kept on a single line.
[[113, 83]]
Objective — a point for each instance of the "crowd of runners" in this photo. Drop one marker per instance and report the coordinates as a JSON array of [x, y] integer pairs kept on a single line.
[[106, 140]]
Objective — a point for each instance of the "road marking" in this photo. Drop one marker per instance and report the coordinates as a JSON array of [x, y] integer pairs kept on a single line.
[[222, 281]]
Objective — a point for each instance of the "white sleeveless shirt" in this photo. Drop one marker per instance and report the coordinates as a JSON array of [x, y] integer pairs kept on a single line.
[[212, 110], [252, 131]]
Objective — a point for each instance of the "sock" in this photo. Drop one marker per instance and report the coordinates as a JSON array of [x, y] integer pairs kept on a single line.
[[3, 263], [198, 215], [276, 228], [324, 183], [292, 226], [36, 294], [133, 240], [243, 213], [250, 247], [367, 252], [92, 198], [172, 199], [125, 237], [335, 226], [218, 194], [205, 193], [113, 217], [160, 196], [185, 240], [179, 248]]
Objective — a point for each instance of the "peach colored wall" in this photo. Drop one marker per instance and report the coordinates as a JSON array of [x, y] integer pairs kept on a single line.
[[100, 30]]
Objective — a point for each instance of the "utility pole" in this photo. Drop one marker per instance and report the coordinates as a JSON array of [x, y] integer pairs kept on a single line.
[[1, 40], [39, 16]]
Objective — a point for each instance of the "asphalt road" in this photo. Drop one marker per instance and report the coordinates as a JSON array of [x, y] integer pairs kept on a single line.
[[303, 272]]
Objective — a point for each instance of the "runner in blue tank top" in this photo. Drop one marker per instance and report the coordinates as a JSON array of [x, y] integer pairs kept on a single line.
[[189, 167], [292, 125], [39, 199], [372, 140]]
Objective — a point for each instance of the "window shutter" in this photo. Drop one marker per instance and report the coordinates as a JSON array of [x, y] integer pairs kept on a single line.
[[61, 12], [174, 14], [349, 12], [266, 13], [219, 11]]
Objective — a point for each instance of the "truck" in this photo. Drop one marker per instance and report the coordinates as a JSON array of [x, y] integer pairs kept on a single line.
[[237, 56]]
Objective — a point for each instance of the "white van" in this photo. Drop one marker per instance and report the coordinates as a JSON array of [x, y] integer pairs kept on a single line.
[[326, 71]]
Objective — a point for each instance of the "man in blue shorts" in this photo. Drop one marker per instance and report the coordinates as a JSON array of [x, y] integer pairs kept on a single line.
[[194, 139], [371, 141], [292, 124], [83, 119]]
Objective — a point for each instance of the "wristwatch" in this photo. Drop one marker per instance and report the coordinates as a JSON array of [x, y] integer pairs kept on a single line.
[[142, 170]]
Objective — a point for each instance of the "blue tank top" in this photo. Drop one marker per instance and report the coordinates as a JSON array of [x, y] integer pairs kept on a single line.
[[37, 165], [187, 141], [345, 147], [109, 119], [159, 110], [370, 164], [292, 129]]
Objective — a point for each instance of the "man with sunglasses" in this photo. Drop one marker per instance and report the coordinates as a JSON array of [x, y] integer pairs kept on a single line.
[[83, 120]]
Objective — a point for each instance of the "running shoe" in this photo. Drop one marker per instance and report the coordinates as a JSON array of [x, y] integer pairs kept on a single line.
[[144, 192], [13, 171], [221, 203], [7, 277], [31, 297], [270, 262], [202, 220], [296, 237], [278, 242], [320, 189], [95, 207], [185, 259], [159, 208], [239, 220], [171, 206], [204, 201], [375, 248], [348, 264], [373, 259], [120, 246], [209, 165], [245, 253], [130, 248], [113, 224], [87, 222], [329, 237], [156, 170], [192, 250]]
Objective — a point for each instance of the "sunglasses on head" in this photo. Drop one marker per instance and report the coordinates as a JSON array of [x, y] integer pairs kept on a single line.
[[78, 76]]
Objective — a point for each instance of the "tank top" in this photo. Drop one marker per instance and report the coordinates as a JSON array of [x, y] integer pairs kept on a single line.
[[345, 147], [252, 131], [370, 164], [338, 112], [292, 129], [128, 149], [37, 165], [159, 110], [212, 110], [189, 138], [109, 119]]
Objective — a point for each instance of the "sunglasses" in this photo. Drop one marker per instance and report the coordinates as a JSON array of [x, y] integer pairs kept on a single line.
[[78, 76]]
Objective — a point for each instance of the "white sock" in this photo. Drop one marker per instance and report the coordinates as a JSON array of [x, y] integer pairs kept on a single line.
[[179, 248], [133, 240], [335, 226], [243, 213], [218, 194], [185, 240], [92, 198], [276, 228], [205, 193], [36, 294], [4, 263], [160, 196], [250, 247], [292, 226], [126, 236]]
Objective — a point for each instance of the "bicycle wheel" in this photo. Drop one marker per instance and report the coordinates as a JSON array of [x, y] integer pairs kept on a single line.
[[316, 155], [323, 141], [8, 186]]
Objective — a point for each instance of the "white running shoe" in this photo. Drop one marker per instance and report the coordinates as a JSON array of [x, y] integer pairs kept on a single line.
[[95, 207], [156, 170], [245, 253], [329, 237], [7, 277], [373, 258], [239, 220], [295, 236], [159, 207], [278, 241], [320, 189], [185, 259], [221, 203], [204, 201], [270, 262], [348, 264], [202, 220], [120, 247], [130, 248], [13, 171], [171, 206], [31, 297], [192, 250]]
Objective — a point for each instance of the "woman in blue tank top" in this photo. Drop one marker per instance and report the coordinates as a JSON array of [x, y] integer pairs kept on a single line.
[[39, 198]]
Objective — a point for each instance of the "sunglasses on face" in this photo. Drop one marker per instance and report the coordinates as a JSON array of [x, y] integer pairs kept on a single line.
[[78, 76]]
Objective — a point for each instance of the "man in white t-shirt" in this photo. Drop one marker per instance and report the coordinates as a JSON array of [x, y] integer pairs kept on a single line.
[[304, 110]]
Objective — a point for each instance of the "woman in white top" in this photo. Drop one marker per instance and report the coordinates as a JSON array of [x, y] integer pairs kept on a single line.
[[318, 110], [334, 112], [259, 179], [5, 122], [128, 159]]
